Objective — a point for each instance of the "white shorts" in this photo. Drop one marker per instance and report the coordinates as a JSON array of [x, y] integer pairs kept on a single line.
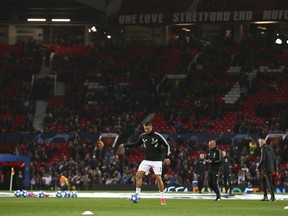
[[145, 166]]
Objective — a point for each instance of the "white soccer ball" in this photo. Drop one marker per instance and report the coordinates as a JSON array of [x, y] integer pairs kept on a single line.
[[58, 194], [135, 198], [24, 193], [66, 194], [41, 194], [17, 193], [74, 194]]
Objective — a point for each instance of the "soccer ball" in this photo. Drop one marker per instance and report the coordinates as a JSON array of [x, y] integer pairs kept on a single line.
[[66, 194], [74, 194], [135, 198], [41, 194], [58, 194], [24, 193], [17, 193]]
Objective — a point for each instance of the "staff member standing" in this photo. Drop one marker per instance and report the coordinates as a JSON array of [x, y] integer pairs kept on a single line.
[[214, 160], [226, 167], [200, 170], [266, 167]]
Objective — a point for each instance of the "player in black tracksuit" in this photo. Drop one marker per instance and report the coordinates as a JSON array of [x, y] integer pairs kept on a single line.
[[226, 166], [266, 167], [200, 170], [214, 160], [154, 144]]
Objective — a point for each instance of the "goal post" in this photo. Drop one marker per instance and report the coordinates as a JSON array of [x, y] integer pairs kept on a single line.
[[276, 134]]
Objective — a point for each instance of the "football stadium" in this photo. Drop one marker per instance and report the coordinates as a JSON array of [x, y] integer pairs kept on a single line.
[[143, 107]]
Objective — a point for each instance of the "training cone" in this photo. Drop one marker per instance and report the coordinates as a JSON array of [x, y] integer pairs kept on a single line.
[[87, 213]]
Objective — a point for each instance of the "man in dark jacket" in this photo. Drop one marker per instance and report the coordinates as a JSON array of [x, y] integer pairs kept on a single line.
[[200, 171], [214, 160], [226, 167], [266, 167]]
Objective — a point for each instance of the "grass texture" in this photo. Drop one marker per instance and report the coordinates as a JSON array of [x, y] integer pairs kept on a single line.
[[119, 206]]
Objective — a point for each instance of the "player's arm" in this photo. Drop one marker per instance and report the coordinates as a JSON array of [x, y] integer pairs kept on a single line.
[[167, 160], [207, 159], [167, 149], [139, 142], [219, 161], [165, 144], [262, 159]]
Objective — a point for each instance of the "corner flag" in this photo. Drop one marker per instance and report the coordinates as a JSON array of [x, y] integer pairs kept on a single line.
[[11, 177], [12, 171]]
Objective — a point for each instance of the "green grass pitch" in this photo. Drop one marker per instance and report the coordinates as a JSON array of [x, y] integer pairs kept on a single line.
[[119, 206]]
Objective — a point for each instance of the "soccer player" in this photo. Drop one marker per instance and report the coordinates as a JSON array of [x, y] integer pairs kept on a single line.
[[266, 167], [214, 160], [154, 144]]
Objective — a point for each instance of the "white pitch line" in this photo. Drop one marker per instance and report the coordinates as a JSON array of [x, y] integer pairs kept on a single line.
[[156, 195]]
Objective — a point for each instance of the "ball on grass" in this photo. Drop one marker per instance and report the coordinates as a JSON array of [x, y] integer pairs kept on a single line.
[[41, 194], [74, 194], [66, 194], [135, 198], [17, 193], [58, 194]]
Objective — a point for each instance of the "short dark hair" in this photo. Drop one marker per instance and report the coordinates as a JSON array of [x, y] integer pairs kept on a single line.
[[148, 123]]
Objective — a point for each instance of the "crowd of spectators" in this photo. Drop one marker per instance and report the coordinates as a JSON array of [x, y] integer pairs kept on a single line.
[[90, 164]]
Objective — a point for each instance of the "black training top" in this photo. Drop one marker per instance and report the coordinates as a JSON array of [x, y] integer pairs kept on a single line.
[[215, 156], [268, 160], [201, 167], [227, 162], [154, 144]]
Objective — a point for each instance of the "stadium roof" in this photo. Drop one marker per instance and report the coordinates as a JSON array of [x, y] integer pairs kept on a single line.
[[79, 11]]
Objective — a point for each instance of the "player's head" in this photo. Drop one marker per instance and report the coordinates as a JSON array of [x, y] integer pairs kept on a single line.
[[202, 156], [261, 142], [224, 153], [147, 127], [212, 144]]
